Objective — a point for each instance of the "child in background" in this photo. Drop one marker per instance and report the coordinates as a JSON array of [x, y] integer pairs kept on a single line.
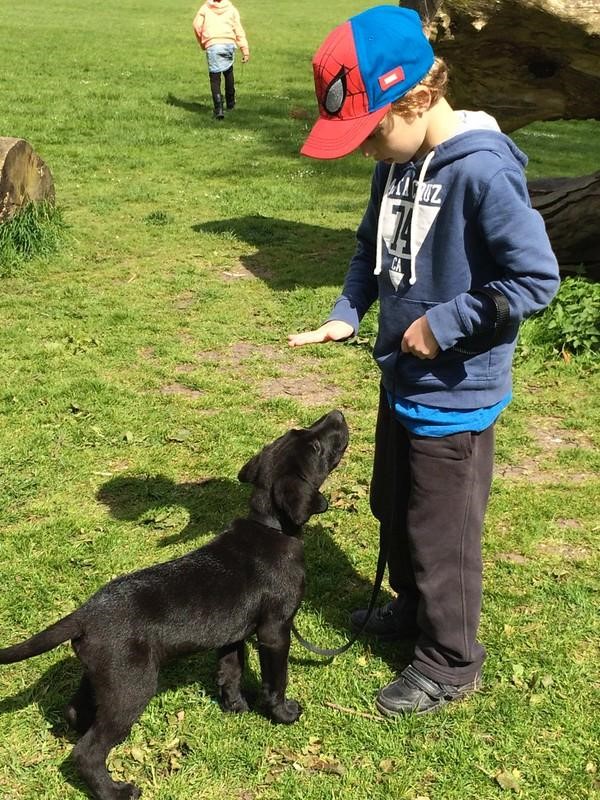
[[219, 30], [453, 251]]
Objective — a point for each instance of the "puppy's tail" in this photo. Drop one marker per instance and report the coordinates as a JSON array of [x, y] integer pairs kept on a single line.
[[63, 630]]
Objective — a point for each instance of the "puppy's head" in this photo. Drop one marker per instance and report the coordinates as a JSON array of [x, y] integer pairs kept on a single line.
[[288, 473]]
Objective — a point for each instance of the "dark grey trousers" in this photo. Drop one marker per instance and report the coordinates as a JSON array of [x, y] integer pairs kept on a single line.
[[431, 495]]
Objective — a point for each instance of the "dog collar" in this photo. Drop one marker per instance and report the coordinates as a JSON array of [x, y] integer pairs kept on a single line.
[[266, 520]]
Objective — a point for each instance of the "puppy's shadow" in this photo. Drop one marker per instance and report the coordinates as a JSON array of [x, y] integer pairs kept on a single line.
[[210, 504], [53, 689]]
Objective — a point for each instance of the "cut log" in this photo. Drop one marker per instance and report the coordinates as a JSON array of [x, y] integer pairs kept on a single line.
[[520, 60], [24, 177], [571, 210]]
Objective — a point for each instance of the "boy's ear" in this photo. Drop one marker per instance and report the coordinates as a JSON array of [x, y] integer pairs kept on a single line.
[[422, 96]]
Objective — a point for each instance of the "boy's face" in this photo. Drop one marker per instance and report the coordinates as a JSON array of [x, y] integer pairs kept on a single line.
[[397, 139]]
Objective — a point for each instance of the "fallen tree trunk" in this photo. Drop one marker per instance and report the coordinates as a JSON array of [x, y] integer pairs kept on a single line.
[[571, 211], [520, 60], [24, 177]]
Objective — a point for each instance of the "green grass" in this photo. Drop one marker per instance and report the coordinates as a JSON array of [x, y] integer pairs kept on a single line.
[[37, 231], [148, 354]]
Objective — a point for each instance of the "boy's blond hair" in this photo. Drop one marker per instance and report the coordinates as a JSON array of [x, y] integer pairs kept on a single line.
[[436, 81]]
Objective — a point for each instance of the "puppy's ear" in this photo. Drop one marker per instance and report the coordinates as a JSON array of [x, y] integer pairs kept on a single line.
[[298, 499], [249, 472]]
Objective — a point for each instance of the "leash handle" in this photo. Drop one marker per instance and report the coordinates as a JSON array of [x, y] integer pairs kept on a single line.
[[482, 342], [336, 651]]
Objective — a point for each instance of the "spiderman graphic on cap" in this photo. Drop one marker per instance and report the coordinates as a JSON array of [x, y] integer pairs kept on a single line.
[[360, 69]]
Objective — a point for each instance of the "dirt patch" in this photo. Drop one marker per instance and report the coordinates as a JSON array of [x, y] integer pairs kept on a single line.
[[185, 300], [563, 551], [239, 272], [181, 390], [307, 391], [147, 353], [568, 523], [549, 437], [183, 369], [298, 377], [512, 558]]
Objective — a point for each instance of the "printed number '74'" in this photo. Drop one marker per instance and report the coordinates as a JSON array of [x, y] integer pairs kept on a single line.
[[402, 229]]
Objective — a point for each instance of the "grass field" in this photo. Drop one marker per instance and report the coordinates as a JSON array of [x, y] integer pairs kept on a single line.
[[149, 355]]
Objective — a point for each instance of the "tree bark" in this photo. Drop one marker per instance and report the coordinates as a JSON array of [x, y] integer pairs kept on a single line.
[[24, 177], [520, 60], [571, 211]]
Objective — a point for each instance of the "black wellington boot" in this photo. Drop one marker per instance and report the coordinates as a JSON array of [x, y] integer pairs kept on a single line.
[[218, 103]]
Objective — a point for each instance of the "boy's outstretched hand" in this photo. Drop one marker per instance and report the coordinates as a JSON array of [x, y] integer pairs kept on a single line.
[[419, 340], [332, 331]]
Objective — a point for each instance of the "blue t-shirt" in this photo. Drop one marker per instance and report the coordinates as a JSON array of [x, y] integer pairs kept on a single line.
[[431, 421]]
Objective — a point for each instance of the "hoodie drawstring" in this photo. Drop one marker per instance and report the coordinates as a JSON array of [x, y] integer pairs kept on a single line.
[[379, 221], [415, 217]]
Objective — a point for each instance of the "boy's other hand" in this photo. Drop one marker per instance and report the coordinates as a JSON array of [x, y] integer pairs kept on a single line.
[[419, 340], [333, 331]]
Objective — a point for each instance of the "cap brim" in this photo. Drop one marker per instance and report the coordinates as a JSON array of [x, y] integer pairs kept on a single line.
[[335, 138]]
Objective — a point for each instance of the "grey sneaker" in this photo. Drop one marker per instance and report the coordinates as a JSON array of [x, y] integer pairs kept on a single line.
[[415, 693], [394, 620]]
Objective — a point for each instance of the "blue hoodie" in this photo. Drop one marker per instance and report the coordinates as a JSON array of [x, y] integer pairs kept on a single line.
[[457, 220]]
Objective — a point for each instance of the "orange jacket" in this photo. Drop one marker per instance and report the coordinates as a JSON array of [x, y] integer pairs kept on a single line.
[[219, 23]]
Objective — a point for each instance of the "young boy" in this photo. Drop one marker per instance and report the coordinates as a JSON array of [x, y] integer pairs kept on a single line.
[[450, 246], [219, 30]]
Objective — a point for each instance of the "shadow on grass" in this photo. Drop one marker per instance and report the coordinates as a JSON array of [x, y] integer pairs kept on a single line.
[[53, 689], [186, 105], [210, 504], [289, 254]]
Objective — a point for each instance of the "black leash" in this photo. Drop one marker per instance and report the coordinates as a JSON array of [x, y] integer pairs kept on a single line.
[[336, 651], [473, 345]]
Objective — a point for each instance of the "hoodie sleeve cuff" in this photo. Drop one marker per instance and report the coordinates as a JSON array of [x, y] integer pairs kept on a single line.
[[465, 315], [344, 311]]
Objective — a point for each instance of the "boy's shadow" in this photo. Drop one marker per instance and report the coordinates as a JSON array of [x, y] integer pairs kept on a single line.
[[289, 254]]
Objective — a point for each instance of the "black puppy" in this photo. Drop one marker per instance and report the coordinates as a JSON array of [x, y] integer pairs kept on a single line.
[[249, 579]]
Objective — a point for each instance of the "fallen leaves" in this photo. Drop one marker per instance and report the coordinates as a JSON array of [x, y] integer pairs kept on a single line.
[[509, 780], [310, 759]]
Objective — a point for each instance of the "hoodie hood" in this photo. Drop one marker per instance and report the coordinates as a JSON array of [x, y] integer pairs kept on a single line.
[[219, 6], [476, 132]]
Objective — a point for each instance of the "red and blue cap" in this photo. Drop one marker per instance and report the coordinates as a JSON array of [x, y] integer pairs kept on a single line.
[[361, 68]]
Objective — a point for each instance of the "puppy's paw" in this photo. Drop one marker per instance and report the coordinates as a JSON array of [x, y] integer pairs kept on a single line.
[[235, 706], [70, 715], [126, 791], [287, 713]]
